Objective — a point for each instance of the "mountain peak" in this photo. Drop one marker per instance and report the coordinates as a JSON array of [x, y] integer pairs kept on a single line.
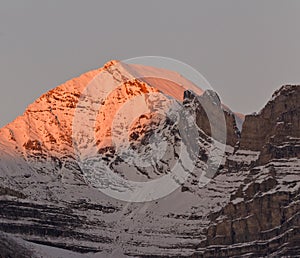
[[49, 120], [110, 63], [285, 90], [212, 96]]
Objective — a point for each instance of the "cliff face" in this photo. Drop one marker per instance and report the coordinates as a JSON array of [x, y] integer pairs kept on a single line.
[[263, 217], [275, 130], [250, 207]]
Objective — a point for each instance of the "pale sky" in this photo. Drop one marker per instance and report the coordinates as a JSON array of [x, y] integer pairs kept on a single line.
[[245, 49]]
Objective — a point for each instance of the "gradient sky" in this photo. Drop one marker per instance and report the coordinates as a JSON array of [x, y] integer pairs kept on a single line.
[[245, 49]]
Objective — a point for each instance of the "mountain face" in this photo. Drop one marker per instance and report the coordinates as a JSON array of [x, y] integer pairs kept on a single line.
[[275, 130], [50, 208]]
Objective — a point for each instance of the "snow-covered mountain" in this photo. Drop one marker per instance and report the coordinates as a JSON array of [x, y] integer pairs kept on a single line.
[[250, 206]]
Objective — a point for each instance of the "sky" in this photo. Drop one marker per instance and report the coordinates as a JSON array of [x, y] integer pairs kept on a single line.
[[245, 49]]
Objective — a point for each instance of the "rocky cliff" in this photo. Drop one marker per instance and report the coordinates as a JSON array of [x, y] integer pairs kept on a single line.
[[262, 217], [275, 129], [210, 112]]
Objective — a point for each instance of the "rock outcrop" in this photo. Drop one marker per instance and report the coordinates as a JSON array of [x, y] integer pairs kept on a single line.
[[211, 113], [275, 131]]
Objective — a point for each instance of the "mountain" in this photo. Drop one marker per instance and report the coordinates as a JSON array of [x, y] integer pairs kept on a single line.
[[51, 207]]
